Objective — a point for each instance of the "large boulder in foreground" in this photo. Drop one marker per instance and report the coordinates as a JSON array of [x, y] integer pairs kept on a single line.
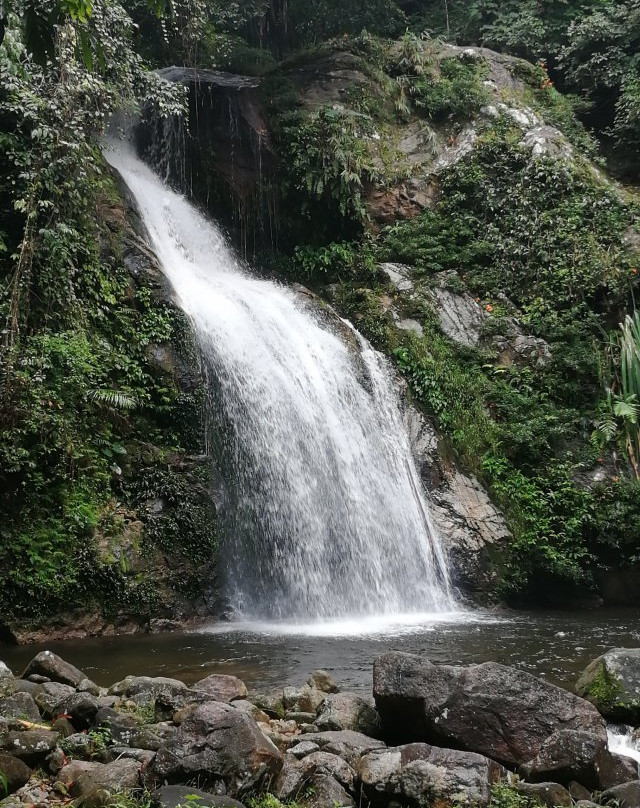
[[218, 746], [612, 683], [53, 667], [424, 775], [491, 709]]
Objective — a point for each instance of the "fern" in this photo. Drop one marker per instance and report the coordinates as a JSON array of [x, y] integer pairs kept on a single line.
[[116, 399]]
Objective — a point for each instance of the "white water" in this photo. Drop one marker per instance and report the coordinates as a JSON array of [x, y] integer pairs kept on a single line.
[[324, 515], [621, 742]]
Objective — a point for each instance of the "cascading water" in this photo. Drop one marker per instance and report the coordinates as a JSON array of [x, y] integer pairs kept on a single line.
[[324, 516]]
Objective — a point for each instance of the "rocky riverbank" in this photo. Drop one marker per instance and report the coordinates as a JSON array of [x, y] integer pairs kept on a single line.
[[431, 735]]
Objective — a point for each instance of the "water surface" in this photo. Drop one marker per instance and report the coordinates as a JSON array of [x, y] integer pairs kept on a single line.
[[555, 645]]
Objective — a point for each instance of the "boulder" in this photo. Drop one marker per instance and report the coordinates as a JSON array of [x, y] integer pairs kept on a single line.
[[143, 756], [20, 705], [5, 671], [122, 727], [153, 736], [218, 743], [95, 787], [491, 709], [179, 796], [14, 773], [612, 683], [323, 681], [32, 746], [255, 712], [570, 755], [79, 745], [80, 707], [324, 792], [305, 699], [70, 773], [295, 774], [339, 711], [302, 748], [423, 775], [626, 795], [54, 668], [145, 689], [49, 695], [550, 794], [222, 688], [348, 745]]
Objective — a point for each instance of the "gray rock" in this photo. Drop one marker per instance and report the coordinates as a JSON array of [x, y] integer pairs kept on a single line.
[[179, 796], [32, 746], [578, 791], [5, 671], [149, 688], [626, 795], [54, 668], [20, 705], [422, 775], [87, 686], [569, 755], [461, 318], [612, 683], [302, 748], [400, 276], [217, 742], [79, 745], [222, 688], [304, 719], [325, 792], [348, 745], [550, 794], [95, 787], [70, 773], [81, 707], [295, 774], [15, 773], [305, 699], [490, 709], [271, 704], [323, 681], [340, 711], [153, 736], [49, 695], [123, 728], [255, 712], [143, 756]]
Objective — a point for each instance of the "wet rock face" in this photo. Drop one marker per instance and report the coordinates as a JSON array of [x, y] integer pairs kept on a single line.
[[228, 154], [497, 711], [471, 526], [612, 683]]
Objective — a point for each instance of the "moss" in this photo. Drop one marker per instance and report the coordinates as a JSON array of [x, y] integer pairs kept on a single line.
[[604, 690]]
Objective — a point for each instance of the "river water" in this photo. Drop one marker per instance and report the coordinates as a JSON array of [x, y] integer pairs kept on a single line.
[[554, 645]]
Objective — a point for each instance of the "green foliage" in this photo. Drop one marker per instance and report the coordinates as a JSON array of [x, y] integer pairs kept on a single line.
[[330, 159], [504, 795], [457, 92]]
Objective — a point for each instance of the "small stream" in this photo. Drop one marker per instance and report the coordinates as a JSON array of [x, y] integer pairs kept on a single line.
[[554, 645]]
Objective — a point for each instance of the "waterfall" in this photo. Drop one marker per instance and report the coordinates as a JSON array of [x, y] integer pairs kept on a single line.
[[324, 515]]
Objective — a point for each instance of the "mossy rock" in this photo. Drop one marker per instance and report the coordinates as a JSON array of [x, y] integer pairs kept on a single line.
[[612, 684]]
